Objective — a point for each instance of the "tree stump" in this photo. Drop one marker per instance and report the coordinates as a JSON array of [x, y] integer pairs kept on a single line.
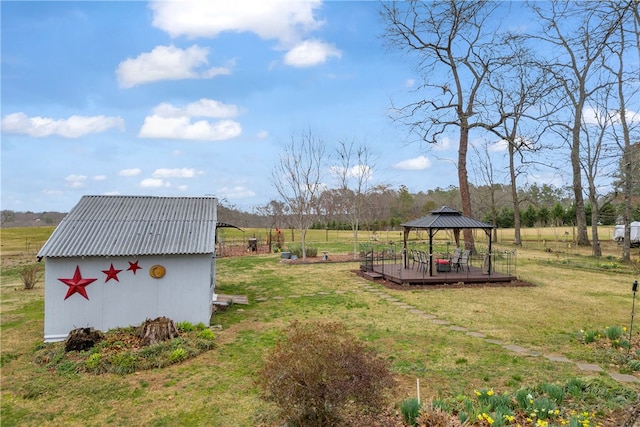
[[82, 339], [157, 330]]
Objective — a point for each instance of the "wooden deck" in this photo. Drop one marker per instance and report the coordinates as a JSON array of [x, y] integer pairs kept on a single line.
[[398, 274]]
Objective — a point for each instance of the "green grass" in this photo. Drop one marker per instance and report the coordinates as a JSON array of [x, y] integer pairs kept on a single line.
[[217, 387]]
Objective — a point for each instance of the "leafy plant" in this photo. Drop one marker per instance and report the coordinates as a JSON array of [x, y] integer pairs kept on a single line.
[[185, 326], [334, 369], [410, 409], [177, 355], [613, 332]]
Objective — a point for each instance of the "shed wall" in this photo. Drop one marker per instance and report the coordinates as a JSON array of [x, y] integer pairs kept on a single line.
[[184, 293]]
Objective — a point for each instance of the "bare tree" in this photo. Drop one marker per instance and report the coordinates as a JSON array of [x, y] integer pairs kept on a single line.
[[520, 90], [484, 172], [297, 178], [354, 174], [595, 129], [456, 54], [576, 34], [624, 79]]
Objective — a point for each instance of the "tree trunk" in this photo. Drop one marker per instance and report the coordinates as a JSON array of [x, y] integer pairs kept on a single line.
[[581, 217], [157, 330], [517, 240], [463, 178]]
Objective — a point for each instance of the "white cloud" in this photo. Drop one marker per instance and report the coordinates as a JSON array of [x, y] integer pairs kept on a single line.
[[111, 193], [177, 153], [76, 181], [417, 163], [130, 172], [284, 21], [51, 192], [176, 173], [237, 192], [201, 108], [444, 143], [99, 177], [498, 147], [409, 83], [181, 128], [152, 183], [170, 122], [73, 127], [310, 53], [263, 134], [167, 63], [182, 187], [287, 22]]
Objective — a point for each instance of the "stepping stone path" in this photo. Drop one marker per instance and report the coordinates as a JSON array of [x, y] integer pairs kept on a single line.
[[522, 351]]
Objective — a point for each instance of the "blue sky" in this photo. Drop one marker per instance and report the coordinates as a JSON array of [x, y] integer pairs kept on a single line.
[[175, 100]]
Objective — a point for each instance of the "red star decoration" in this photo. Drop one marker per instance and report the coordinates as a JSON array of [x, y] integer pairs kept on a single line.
[[77, 284], [133, 266], [111, 273]]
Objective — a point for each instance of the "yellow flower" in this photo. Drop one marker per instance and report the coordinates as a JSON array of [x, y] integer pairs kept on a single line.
[[477, 393], [490, 392]]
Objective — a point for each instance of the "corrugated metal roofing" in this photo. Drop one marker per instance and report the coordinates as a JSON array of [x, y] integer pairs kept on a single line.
[[446, 217], [135, 225]]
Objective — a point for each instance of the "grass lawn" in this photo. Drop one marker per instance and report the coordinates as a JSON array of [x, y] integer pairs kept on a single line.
[[573, 293]]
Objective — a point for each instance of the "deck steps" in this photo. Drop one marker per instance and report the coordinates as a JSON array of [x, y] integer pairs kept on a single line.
[[225, 300]]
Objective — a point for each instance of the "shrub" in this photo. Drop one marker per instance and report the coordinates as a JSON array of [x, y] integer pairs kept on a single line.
[[29, 275], [296, 250], [317, 370]]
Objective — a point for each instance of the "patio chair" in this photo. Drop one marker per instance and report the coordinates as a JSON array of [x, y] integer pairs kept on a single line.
[[455, 258], [464, 260], [415, 257], [424, 262]]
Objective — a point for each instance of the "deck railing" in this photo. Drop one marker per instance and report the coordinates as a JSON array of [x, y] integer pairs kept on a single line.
[[502, 261]]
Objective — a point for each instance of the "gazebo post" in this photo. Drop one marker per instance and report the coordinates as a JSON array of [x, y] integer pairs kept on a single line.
[[404, 248], [430, 251]]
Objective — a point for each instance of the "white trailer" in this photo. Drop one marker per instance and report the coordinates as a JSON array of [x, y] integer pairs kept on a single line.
[[618, 233]]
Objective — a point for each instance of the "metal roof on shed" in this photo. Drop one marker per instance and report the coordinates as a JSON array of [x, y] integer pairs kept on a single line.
[[446, 217], [135, 225]]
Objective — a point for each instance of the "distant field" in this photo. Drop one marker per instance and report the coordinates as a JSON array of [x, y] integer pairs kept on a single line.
[[572, 294]]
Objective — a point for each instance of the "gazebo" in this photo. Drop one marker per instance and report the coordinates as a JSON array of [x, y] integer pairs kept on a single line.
[[445, 218]]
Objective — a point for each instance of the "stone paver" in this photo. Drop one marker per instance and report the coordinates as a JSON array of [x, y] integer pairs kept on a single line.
[[492, 341], [557, 358], [458, 328], [624, 378], [440, 322], [262, 299], [516, 348], [589, 367], [477, 334]]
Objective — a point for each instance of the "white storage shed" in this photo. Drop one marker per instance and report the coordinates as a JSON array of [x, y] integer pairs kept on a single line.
[[115, 261]]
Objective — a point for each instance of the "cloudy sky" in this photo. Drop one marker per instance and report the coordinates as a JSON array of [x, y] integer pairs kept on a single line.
[[196, 98]]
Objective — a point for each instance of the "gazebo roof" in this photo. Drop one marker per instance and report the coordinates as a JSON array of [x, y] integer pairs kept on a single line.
[[446, 218]]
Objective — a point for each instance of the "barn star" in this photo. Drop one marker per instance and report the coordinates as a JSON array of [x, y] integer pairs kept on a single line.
[[111, 273], [77, 284], [133, 266]]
